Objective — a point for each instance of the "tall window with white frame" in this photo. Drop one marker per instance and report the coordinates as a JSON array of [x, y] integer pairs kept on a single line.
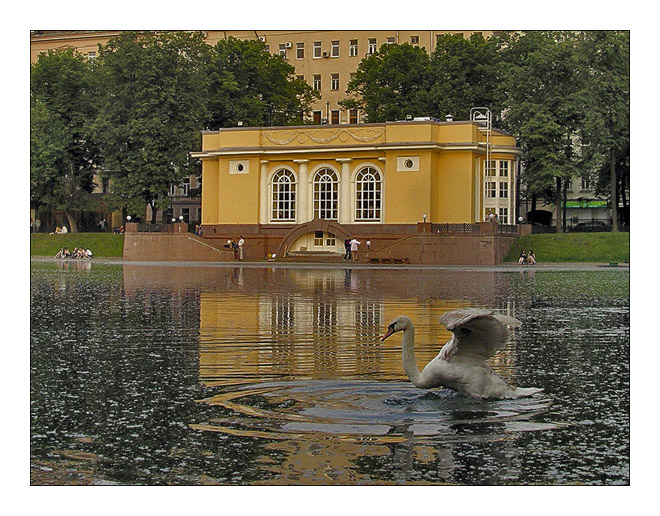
[[353, 48], [503, 216], [334, 49], [284, 196], [316, 82], [372, 46], [300, 50], [334, 81], [368, 188], [316, 49], [326, 194]]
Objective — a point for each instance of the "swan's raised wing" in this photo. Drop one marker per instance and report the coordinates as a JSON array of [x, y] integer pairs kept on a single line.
[[478, 334]]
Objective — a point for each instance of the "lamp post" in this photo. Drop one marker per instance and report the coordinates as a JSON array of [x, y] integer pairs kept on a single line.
[[424, 217]]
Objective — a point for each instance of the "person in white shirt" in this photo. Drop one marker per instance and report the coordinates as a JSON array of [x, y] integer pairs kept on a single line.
[[354, 248], [241, 242], [64, 230]]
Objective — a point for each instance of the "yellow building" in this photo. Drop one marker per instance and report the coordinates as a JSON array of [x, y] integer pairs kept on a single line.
[[302, 188]]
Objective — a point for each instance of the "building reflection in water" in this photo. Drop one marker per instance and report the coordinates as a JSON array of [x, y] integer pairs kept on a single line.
[[265, 326]]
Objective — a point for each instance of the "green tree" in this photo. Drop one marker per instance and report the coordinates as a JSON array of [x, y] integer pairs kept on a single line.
[[62, 151], [542, 83], [464, 74], [152, 111], [391, 83], [252, 86], [605, 55]]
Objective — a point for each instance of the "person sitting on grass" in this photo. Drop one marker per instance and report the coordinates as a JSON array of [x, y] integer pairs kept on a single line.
[[531, 258], [523, 258], [60, 253]]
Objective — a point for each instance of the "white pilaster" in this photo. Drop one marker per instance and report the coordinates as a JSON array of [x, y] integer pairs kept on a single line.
[[264, 217], [345, 191], [302, 193]]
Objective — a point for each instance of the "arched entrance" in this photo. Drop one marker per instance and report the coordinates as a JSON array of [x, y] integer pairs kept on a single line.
[[315, 227]]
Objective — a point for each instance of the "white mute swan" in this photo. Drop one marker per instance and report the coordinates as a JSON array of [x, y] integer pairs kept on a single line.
[[461, 363]]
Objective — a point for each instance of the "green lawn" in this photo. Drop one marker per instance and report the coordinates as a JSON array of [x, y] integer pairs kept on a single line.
[[102, 245], [574, 247]]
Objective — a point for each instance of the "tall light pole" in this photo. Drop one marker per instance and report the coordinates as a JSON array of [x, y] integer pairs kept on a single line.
[[483, 116]]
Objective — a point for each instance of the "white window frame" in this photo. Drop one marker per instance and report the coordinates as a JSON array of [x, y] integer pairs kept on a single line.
[[282, 51], [504, 216], [300, 50], [504, 190], [334, 49], [326, 194], [372, 46], [490, 168], [317, 50], [316, 82], [504, 168], [353, 48], [334, 81], [490, 188], [283, 196], [368, 189], [185, 185]]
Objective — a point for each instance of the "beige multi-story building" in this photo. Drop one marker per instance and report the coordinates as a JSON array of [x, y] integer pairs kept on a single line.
[[325, 59]]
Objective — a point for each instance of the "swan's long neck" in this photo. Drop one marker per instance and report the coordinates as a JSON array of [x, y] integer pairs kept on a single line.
[[408, 354]]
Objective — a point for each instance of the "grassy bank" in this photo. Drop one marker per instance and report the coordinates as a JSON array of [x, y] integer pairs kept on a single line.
[[574, 247], [102, 245]]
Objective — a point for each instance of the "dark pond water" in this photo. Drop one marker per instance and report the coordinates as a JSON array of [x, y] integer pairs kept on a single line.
[[150, 374]]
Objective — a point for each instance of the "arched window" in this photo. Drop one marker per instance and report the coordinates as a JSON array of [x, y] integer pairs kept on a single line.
[[284, 196], [368, 190], [325, 194]]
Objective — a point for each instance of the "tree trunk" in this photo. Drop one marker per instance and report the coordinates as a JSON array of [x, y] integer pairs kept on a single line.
[[72, 222], [613, 197], [153, 211], [563, 210], [558, 198]]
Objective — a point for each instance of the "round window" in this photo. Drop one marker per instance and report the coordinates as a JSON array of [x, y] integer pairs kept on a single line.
[[240, 167], [408, 163]]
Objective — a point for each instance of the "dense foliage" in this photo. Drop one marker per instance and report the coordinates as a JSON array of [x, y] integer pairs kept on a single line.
[[63, 155]]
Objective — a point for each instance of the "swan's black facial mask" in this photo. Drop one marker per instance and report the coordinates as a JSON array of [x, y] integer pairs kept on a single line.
[[390, 330]]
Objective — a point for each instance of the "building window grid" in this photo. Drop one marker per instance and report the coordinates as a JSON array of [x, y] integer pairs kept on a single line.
[[353, 116], [504, 168], [300, 50], [368, 188], [316, 82], [334, 49], [317, 50], [353, 48], [504, 190], [334, 81], [504, 216], [326, 194], [334, 116], [491, 189], [372, 46], [284, 196]]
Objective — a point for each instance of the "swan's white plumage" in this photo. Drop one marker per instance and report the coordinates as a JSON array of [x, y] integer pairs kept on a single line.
[[461, 363]]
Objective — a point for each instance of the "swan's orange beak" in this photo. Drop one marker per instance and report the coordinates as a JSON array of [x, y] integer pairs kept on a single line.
[[390, 331]]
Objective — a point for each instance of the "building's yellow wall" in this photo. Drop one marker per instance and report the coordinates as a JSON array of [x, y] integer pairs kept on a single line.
[[210, 189], [455, 190], [238, 194], [406, 194]]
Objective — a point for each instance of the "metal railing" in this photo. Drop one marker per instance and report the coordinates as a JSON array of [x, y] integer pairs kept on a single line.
[[455, 228]]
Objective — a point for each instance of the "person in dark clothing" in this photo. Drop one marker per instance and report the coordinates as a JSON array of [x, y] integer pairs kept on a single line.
[[347, 248]]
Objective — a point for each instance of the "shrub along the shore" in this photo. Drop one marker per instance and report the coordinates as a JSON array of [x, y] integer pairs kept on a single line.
[[102, 245], [573, 247]]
